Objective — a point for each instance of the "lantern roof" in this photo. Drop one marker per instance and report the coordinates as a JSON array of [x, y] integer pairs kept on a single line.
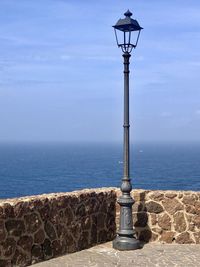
[[127, 24]]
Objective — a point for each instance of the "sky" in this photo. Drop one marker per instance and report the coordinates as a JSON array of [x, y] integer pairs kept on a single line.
[[61, 72]]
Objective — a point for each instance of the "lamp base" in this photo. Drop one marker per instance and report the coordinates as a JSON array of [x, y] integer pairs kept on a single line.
[[126, 243]]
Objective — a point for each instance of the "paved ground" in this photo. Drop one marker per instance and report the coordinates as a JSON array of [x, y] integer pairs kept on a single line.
[[159, 255]]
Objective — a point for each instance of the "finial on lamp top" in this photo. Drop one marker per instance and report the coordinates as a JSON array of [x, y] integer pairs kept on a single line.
[[128, 13]]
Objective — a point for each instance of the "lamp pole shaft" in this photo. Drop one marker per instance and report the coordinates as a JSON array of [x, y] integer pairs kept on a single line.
[[126, 117], [125, 239]]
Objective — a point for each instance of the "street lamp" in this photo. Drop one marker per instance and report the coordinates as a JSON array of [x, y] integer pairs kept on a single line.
[[127, 32]]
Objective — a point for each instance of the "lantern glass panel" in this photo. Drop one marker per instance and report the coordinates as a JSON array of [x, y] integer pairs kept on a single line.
[[127, 40]]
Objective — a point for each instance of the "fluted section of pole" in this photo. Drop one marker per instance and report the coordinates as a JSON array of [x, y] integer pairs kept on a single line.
[[125, 239]]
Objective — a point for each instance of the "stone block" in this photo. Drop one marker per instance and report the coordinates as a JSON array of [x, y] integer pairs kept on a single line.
[[172, 205], [170, 195], [140, 219], [190, 209], [156, 195], [137, 207], [44, 212], [8, 210], [50, 231], [86, 223], [2, 231], [2, 214], [196, 221], [39, 236], [102, 236], [15, 227], [179, 222], [47, 249], [145, 235], [184, 238], [164, 221], [25, 242], [100, 218], [197, 237], [167, 236], [69, 215], [21, 259], [189, 199], [8, 247], [5, 263], [37, 254], [57, 248], [157, 230], [83, 241], [153, 219], [21, 208], [80, 211], [93, 234], [153, 207], [32, 222]]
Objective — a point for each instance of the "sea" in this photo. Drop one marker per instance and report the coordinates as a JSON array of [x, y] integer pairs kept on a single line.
[[38, 168]]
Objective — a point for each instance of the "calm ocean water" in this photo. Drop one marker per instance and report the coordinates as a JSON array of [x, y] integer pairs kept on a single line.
[[27, 169]]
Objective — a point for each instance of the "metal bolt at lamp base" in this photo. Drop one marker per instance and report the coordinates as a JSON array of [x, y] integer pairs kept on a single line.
[[125, 239]]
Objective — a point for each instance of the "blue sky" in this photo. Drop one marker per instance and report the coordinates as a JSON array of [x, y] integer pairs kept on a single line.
[[61, 73]]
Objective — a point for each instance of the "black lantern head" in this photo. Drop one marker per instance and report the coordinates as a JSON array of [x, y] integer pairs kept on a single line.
[[129, 29]]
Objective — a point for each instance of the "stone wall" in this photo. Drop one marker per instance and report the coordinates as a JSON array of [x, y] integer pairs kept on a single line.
[[37, 228], [166, 216]]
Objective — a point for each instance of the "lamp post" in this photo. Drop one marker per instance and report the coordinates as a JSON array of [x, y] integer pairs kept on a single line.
[[125, 239]]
